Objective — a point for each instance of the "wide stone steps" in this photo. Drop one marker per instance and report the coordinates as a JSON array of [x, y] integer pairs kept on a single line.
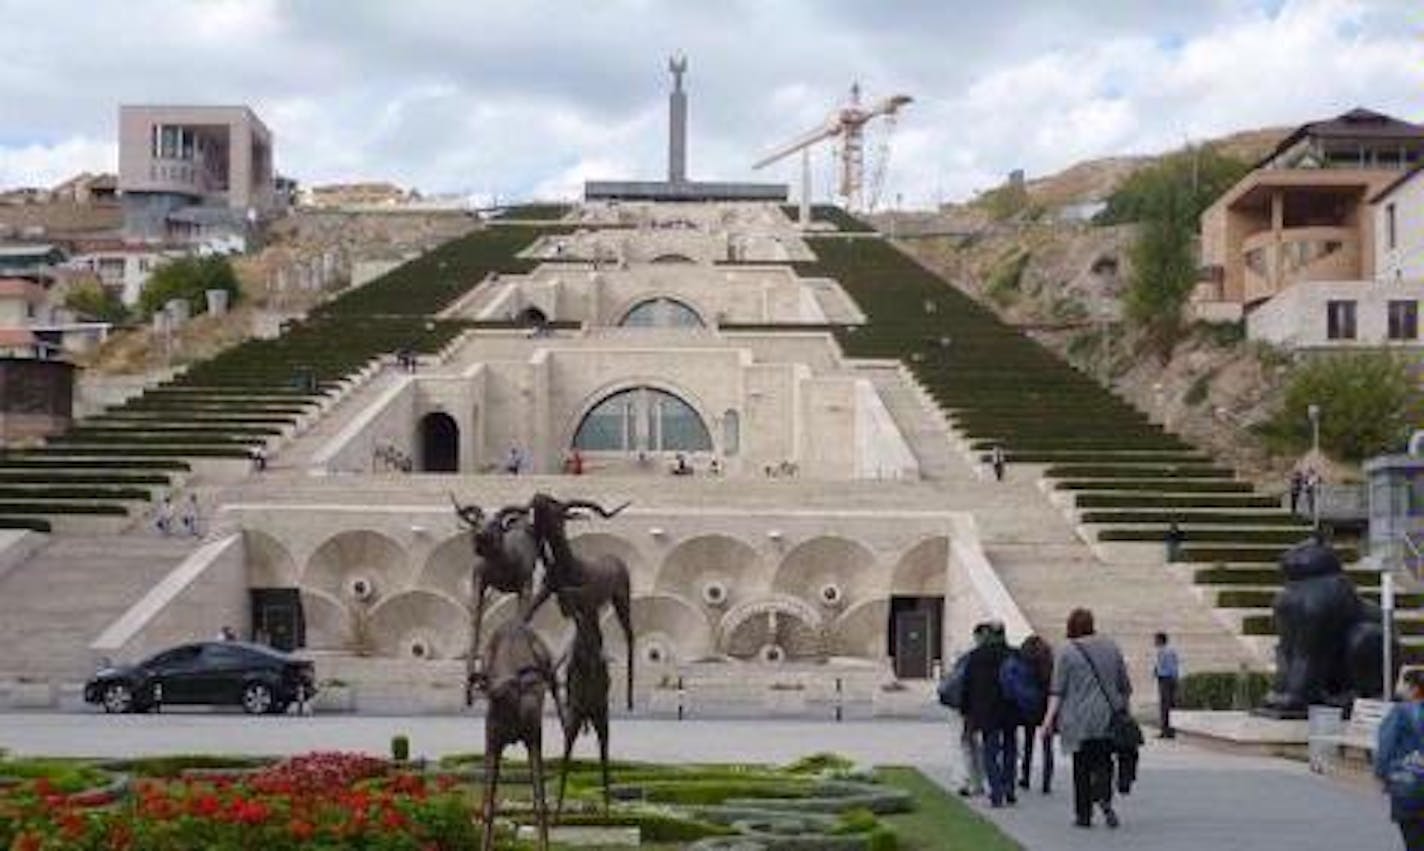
[[56, 602]]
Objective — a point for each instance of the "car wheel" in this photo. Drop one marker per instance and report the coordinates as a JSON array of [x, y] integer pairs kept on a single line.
[[257, 699], [117, 698]]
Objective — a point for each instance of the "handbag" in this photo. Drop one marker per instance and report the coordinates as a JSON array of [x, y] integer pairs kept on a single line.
[[1123, 730]]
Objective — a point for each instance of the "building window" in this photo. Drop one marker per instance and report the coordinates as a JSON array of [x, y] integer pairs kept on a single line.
[[1404, 320], [661, 313], [1340, 320], [1391, 238], [642, 419], [731, 433]]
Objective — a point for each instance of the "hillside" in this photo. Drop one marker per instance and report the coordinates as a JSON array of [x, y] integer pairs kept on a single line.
[[1062, 282]]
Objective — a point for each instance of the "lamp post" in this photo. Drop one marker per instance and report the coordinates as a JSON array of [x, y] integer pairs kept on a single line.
[[1313, 411], [1387, 621]]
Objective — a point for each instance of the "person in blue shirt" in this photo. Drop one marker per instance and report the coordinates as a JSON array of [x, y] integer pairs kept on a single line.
[[1401, 741], [1168, 671]]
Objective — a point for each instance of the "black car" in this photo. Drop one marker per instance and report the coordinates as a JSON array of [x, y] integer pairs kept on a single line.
[[257, 678]]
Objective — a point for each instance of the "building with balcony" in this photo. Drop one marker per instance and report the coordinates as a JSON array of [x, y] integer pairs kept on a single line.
[[1303, 214], [173, 159]]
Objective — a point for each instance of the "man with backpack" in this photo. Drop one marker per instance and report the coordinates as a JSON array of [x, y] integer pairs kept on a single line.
[[951, 696], [990, 684]]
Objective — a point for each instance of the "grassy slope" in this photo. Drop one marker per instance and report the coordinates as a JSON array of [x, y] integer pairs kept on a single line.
[[939, 822]]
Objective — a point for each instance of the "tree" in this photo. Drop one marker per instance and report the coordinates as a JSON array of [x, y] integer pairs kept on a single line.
[[1369, 402], [188, 278], [1167, 200], [97, 302]]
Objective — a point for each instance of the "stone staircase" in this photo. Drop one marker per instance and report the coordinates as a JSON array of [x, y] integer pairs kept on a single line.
[[57, 601]]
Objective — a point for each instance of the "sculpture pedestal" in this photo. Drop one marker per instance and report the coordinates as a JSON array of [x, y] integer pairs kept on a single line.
[[1244, 732]]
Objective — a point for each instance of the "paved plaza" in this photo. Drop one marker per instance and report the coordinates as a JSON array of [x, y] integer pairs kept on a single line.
[[1188, 798]]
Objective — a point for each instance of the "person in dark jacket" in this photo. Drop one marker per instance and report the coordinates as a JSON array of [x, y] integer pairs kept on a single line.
[[1401, 742], [993, 714], [1039, 656]]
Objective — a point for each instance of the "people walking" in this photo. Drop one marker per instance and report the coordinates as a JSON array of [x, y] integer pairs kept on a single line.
[[1399, 760], [951, 695], [189, 518], [993, 714], [1038, 655], [1312, 493], [163, 516], [1297, 484], [997, 461], [1174, 539], [1090, 688], [1168, 670], [514, 461]]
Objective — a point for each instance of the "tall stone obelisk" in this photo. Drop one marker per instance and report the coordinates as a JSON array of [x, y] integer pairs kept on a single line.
[[677, 122]]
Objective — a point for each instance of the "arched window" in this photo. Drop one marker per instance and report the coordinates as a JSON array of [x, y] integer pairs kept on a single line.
[[661, 313], [642, 419]]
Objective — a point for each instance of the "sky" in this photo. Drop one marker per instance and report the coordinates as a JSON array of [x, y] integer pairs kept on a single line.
[[525, 100]]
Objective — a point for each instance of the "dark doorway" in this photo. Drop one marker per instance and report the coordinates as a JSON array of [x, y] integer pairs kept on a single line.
[[915, 635], [533, 316], [439, 443], [277, 618]]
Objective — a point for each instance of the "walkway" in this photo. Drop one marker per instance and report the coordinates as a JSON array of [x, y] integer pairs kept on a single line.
[[1189, 799]]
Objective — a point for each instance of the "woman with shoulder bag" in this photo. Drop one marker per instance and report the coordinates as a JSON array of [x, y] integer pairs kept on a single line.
[[1399, 760], [1088, 706]]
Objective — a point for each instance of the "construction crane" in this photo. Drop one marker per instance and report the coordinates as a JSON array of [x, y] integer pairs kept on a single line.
[[847, 122]]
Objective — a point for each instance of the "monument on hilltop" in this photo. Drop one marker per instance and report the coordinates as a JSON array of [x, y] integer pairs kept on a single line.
[[677, 187]]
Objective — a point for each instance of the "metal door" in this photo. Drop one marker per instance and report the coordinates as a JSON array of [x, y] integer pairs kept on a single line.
[[912, 645]]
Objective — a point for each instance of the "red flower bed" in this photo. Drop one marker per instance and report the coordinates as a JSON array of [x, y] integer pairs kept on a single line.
[[328, 800]]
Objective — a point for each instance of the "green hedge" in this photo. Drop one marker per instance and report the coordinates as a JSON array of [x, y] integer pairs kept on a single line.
[[533, 212], [1093, 500], [1122, 471], [1223, 690], [1249, 555], [1169, 486], [34, 524], [61, 477], [103, 508], [64, 492], [1194, 516], [1198, 535], [1270, 576]]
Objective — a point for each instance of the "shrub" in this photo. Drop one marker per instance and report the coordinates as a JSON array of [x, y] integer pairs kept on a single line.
[[400, 748], [1201, 387], [1006, 279], [1222, 690], [188, 278], [1369, 402], [97, 302]]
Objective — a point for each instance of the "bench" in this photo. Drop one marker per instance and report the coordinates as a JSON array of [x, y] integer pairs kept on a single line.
[[1355, 741]]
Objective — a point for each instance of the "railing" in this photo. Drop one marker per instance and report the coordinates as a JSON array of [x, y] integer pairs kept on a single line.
[[1305, 254]]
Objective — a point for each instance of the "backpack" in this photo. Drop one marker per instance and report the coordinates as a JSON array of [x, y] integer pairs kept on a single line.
[[951, 685], [1020, 686], [1405, 780]]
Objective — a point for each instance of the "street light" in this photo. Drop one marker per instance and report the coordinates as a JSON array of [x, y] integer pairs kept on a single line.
[[1313, 411]]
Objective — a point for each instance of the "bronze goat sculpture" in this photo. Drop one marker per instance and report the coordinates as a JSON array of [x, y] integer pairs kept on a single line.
[[586, 697]]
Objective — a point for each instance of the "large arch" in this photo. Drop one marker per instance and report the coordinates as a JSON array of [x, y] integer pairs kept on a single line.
[[439, 437], [922, 570], [829, 571], [667, 630], [420, 625], [781, 621], [347, 559], [450, 567], [696, 566], [329, 625], [641, 417], [661, 312], [269, 564], [859, 631]]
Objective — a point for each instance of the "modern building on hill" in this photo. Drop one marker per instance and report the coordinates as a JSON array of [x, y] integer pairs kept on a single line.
[[193, 172], [1399, 228], [1303, 214]]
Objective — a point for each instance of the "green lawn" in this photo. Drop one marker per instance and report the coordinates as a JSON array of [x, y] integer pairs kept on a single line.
[[939, 821]]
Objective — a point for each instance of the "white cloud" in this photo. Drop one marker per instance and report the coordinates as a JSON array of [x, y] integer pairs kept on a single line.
[[530, 98], [45, 165]]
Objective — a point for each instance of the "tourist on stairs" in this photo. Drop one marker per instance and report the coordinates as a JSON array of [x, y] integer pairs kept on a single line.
[[1038, 655]]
